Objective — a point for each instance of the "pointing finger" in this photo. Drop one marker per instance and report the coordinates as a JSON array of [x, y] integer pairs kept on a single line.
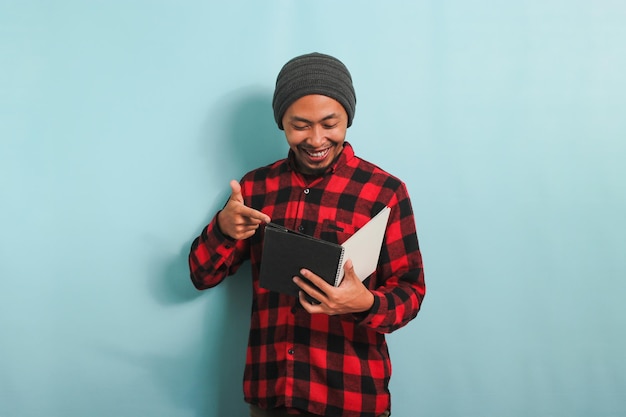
[[257, 216], [254, 215]]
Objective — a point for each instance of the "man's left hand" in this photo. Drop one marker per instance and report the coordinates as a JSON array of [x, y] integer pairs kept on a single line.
[[351, 296]]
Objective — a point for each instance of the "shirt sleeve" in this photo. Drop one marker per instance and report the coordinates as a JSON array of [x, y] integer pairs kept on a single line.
[[214, 256], [398, 286]]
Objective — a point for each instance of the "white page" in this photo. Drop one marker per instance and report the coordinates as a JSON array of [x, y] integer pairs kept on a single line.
[[363, 247]]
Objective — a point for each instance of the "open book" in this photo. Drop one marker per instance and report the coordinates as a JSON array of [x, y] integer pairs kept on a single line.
[[286, 251]]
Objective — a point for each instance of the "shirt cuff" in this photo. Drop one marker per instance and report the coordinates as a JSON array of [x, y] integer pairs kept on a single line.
[[365, 317], [218, 235]]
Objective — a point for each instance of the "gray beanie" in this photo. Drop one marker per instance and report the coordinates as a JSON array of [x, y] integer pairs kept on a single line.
[[313, 73]]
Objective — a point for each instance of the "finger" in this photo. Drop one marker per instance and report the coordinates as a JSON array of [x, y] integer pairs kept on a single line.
[[316, 280], [308, 288], [254, 216], [348, 269], [308, 306], [257, 216], [235, 194], [245, 228], [246, 234]]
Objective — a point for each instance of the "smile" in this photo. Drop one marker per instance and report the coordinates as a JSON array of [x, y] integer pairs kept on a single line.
[[318, 154]]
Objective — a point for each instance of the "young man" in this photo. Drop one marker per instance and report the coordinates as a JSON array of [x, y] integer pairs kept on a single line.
[[329, 358]]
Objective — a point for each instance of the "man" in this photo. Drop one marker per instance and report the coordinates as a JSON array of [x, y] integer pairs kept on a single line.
[[329, 358]]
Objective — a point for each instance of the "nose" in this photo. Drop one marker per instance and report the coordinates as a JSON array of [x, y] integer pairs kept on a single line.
[[317, 136]]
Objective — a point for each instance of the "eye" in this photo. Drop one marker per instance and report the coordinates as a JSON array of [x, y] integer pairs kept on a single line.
[[330, 126], [299, 127]]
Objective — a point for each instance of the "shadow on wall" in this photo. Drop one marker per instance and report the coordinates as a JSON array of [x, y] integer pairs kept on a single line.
[[208, 378], [248, 138]]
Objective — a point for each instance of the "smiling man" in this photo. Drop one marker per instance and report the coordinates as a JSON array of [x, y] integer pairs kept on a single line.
[[315, 127], [329, 358]]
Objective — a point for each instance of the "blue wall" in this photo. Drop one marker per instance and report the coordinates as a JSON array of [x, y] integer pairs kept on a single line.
[[121, 124]]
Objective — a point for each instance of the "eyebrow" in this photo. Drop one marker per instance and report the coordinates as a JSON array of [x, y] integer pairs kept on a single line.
[[303, 120]]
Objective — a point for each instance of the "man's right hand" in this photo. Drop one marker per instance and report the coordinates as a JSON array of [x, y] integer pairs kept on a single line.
[[236, 219]]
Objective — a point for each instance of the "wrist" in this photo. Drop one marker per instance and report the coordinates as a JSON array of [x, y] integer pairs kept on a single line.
[[368, 302], [219, 229]]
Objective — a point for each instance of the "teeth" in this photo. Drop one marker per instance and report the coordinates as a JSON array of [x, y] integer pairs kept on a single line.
[[318, 154]]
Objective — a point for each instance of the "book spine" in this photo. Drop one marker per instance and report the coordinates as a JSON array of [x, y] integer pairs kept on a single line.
[[338, 275]]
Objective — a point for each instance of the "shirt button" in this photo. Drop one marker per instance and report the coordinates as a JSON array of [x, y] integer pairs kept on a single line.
[[290, 351], [306, 191], [300, 228]]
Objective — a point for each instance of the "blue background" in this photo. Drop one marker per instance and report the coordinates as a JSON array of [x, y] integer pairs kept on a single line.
[[121, 123]]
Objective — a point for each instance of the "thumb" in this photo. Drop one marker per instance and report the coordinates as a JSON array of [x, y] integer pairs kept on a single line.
[[348, 268], [235, 194]]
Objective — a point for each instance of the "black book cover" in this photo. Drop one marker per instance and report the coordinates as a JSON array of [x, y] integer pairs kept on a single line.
[[286, 251]]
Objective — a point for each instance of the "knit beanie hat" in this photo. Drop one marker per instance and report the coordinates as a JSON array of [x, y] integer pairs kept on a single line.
[[313, 73]]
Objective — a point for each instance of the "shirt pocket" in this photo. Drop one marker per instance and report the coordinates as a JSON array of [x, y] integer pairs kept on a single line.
[[336, 232]]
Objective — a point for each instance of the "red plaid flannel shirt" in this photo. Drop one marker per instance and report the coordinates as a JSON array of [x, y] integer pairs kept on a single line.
[[326, 365]]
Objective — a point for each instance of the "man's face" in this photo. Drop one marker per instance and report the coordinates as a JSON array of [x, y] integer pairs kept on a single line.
[[315, 127]]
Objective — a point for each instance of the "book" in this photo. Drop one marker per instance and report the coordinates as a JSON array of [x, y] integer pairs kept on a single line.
[[286, 252]]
